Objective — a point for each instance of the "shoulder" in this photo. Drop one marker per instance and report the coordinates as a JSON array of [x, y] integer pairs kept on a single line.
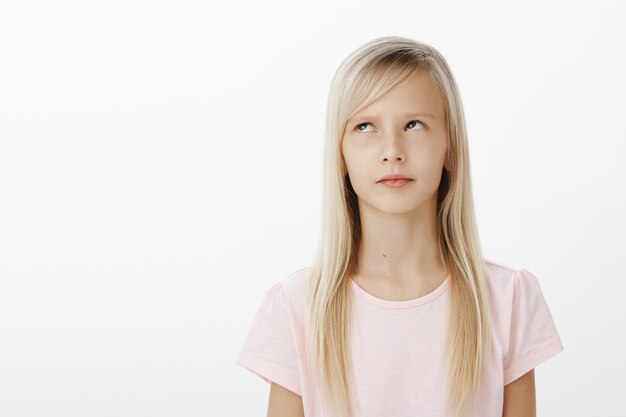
[[295, 285], [499, 268], [515, 295], [294, 289], [501, 281], [502, 277]]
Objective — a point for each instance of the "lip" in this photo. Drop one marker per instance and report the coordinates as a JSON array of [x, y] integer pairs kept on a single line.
[[394, 177], [396, 183]]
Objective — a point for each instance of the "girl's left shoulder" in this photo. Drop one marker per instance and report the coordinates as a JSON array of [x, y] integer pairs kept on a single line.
[[504, 279], [500, 277]]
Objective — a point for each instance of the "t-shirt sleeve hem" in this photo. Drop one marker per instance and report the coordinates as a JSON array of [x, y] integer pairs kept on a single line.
[[530, 362], [269, 373]]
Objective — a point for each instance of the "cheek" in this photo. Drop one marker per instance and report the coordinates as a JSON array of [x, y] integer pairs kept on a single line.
[[359, 166], [355, 159], [429, 154]]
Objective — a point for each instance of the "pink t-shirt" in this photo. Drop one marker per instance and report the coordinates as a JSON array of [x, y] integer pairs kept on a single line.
[[398, 346]]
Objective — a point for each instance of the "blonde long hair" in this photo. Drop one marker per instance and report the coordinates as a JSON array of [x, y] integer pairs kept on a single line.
[[362, 77]]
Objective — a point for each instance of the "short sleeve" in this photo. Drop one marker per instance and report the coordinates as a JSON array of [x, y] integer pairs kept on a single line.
[[269, 349], [533, 335]]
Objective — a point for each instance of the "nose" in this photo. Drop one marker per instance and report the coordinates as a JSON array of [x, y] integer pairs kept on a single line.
[[395, 156], [392, 152]]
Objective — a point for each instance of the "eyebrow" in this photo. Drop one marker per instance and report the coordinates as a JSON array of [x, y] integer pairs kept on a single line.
[[410, 113]]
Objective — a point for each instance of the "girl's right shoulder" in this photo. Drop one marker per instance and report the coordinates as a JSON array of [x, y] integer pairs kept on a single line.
[[295, 285]]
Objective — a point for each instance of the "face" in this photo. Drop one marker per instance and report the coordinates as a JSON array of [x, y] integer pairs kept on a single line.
[[403, 132]]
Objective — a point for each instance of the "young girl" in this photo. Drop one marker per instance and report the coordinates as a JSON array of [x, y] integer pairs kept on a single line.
[[399, 313]]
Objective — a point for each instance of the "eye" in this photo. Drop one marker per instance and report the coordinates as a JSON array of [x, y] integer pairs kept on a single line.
[[361, 124], [409, 124]]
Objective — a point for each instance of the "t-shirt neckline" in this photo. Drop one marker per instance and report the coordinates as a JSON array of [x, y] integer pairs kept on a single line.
[[414, 302]]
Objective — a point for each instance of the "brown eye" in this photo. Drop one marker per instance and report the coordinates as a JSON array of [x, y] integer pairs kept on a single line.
[[358, 127], [361, 124], [413, 121]]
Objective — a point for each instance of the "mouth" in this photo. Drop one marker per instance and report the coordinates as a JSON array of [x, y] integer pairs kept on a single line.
[[396, 182], [391, 177]]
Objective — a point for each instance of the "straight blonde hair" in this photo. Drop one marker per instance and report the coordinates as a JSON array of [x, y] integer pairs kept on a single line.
[[362, 77]]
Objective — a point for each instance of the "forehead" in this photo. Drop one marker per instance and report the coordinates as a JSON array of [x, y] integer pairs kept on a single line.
[[417, 95]]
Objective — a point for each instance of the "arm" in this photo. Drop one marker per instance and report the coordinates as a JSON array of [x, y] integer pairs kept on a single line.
[[284, 403], [519, 397]]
